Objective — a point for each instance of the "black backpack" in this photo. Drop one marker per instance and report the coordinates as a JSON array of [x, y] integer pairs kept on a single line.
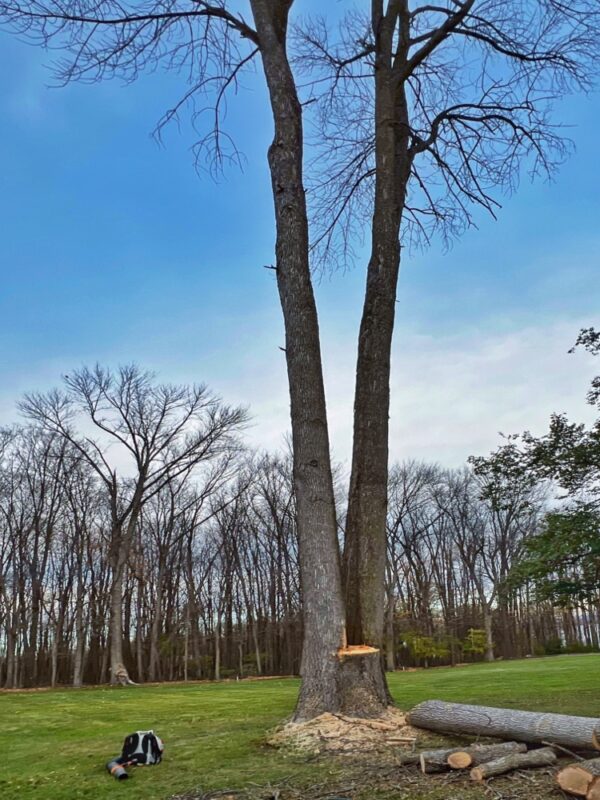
[[142, 748]]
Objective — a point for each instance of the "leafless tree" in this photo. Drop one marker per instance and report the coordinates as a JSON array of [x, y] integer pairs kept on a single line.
[[438, 137], [163, 432], [424, 114]]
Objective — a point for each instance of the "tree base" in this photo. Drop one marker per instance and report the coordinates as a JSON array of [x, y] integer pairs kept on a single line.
[[351, 682], [340, 733]]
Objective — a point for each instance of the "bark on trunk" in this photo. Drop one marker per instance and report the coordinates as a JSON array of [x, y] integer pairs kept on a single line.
[[462, 757], [506, 723], [544, 757], [324, 682], [578, 778], [365, 543], [480, 754], [489, 641]]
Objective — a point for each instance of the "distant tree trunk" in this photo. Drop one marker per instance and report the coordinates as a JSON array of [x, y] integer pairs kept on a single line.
[[487, 624]]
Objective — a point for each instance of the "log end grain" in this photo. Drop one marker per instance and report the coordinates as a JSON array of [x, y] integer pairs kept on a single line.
[[574, 780], [460, 760], [594, 790]]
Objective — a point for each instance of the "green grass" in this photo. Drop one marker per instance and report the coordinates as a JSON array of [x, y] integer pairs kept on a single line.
[[54, 744]]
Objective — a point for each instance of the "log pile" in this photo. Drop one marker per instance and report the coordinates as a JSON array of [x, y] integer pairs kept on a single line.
[[486, 761], [578, 733], [543, 757], [581, 779], [559, 732]]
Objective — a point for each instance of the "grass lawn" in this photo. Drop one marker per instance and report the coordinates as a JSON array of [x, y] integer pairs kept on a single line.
[[54, 743]]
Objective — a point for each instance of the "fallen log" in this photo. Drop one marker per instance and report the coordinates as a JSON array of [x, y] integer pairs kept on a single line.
[[578, 778], [594, 790], [435, 760], [461, 757], [482, 753], [544, 757], [581, 733]]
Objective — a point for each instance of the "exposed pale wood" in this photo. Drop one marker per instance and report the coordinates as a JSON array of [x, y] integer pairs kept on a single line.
[[594, 790], [544, 757], [580, 733], [436, 760], [480, 754], [356, 650], [578, 778]]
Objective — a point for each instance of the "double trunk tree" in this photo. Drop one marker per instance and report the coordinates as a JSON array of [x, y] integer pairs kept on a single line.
[[470, 129]]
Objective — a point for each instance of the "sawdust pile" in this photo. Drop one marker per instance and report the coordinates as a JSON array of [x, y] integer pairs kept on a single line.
[[337, 733]]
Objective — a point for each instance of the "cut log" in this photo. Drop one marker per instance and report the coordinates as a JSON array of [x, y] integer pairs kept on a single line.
[[544, 757], [580, 733], [482, 753], [436, 760], [594, 790], [578, 778]]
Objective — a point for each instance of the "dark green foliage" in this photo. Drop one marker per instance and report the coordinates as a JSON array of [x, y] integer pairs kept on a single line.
[[474, 643], [563, 560]]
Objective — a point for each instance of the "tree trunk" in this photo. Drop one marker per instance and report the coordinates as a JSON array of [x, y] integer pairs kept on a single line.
[[116, 619], [578, 778], [365, 543], [544, 757], [325, 684], [79, 635], [489, 641], [507, 723]]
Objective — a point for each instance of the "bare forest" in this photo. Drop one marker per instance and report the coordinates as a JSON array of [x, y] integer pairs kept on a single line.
[[131, 510]]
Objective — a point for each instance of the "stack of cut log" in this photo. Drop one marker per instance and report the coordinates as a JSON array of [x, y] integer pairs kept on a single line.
[[557, 731], [581, 779], [486, 760]]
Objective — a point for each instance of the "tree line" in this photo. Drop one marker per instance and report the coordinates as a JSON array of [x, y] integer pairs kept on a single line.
[[136, 529]]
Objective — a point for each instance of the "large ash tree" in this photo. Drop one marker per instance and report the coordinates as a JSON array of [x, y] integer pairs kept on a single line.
[[427, 110]]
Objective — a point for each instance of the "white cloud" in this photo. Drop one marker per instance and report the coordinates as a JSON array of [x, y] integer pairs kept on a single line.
[[451, 395]]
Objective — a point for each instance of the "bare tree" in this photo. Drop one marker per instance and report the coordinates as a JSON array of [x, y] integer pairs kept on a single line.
[[425, 113], [422, 128], [164, 432]]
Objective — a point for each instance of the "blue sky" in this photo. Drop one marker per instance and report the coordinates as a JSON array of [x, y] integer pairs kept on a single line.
[[112, 248]]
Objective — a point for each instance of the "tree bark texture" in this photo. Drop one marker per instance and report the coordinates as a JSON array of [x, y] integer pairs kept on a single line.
[[544, 757], [365, 543], [578, 778], [441, 760], [325, 682], [506, 723], [480, 754]]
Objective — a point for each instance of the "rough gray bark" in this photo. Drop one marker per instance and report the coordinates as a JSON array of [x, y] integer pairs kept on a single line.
[[324, 622], [432, 761], [578, 778], [365, 543], [462, 757], [328, 683], [544, 757], [480, 754], [506, 723]]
